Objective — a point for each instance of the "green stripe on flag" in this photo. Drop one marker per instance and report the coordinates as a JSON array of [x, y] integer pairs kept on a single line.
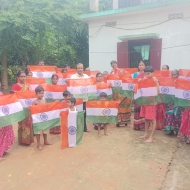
[[45, 125], [147, 100], [165, 98], [93, 96], [81, 96], [80, 127], [117, 90], [48, 81], [11, 119], [102, 119], [178, 102], [128, 93], [26, 112]]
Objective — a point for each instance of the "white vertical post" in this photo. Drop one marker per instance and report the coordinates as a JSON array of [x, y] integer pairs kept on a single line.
[[115, 4]]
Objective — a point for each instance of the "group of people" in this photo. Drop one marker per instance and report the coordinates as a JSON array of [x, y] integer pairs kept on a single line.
[[158, 116]]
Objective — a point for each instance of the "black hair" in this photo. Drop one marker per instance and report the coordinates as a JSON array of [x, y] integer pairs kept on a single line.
[[66, 93], [72, 100], [142, 62], [39, 89], [149, 69], [99, 73], [113, 61], [167, 67], [79, 64], [54, 75], [40, 61], [103, 94], [63, 70], [20, 72]]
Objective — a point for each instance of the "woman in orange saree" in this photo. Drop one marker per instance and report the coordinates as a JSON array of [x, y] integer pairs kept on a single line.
[[25, 130]]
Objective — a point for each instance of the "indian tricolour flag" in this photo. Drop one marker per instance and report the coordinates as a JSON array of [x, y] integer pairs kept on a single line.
[[102, 111], [72, 128], [81, 88], [115, 82], [128, 86], [53, 92], [78, 105], [184, 74], [167, 90], [102, 87], [26, 98], [45, 116], [34, 82], [146, 92], [182, 93], [43, 72], [63, 78], [11, 110]]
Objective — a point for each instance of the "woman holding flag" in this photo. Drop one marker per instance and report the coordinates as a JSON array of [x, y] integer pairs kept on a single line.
[[56, 130], [6, 137], [25, 130], [139, 122], [173, 114]]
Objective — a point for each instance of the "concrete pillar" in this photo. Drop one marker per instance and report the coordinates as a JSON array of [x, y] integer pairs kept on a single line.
[[115, 4], [94, 5]]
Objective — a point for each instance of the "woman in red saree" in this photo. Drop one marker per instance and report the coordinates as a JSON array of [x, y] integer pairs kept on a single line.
[[55, 130], [25, 130]]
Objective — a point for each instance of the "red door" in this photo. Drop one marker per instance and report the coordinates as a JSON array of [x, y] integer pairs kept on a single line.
[[155, 53], [122, 55]]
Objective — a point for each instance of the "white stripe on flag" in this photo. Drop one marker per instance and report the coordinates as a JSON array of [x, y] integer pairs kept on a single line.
[[184, 77], [146, 92], [79, 107], [33, 86], [42, 74], [62, 81], [81, 89], [115, 83], [53, 95], [167, 90], [26, 102], [10, 109], [128, 86], [101, 111], [72, 128], [46, 116], [108, 91], [182, 94]]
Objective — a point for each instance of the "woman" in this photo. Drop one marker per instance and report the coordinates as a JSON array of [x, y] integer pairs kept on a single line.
[[124, 111], [184, 131], [173, 114], [25, 130], [139, 122], [30, 74], [6, 137], [56, 130], [165, 68], [160, 108]]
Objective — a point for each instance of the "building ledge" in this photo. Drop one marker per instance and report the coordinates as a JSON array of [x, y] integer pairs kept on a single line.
[[89, 16], [139, 36]]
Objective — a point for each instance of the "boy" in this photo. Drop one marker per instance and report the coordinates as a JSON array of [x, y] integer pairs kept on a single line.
[[71, 104], [102, 97], [66, 95], [40, 100], [149, 111]]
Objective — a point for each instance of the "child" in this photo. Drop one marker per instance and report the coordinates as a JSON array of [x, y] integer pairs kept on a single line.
[[71, 104], [40, 100], [102, 97], [66, 95], [149, 111]]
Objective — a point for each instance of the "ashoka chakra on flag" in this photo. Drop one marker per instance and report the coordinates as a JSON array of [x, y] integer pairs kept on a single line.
[[44, 116], [28, 102], [72, 130], [84, 89], [39, 74], [106, 112], [165, 90], [49, 95], [186, 95], [117, 83], [5, 110], [131, 87]]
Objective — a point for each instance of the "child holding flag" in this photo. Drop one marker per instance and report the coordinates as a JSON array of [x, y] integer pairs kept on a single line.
[[71, 104], [40, 100], [102, 97], [149, 111]]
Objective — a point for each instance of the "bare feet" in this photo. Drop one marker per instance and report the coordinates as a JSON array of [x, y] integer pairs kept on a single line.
[[1, 159], [143, 137], [150, 140], [105, 134], [39, 147], [99, 135], [47, 143]]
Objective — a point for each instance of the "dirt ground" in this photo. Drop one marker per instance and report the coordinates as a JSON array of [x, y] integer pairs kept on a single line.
[[119, 161]]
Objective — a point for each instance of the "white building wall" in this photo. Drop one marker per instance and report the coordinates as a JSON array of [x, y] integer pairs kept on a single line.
[[103, 44]]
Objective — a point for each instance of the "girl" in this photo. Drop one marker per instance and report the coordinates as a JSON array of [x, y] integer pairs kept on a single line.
[[25, 130], [139, 122], [6, 137], [55, 130]]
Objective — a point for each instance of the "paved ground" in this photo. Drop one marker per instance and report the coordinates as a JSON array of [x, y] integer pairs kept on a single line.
[[119, 161]]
